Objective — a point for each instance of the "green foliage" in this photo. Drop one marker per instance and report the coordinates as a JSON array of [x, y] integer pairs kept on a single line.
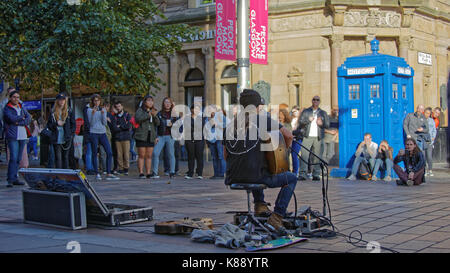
[[109, 45]]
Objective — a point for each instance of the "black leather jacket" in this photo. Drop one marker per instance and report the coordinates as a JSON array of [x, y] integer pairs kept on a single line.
[[304, 124]]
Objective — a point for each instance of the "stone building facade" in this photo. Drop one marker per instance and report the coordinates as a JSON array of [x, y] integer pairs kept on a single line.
[[308, 41]]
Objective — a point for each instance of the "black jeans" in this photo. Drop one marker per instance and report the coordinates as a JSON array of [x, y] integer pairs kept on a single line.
[[61, 156], [195, 153]]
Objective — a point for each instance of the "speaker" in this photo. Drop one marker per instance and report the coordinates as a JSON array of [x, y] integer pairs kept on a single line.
[[55, 209]]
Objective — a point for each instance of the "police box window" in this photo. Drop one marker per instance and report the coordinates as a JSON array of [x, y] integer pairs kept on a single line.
[[395, 91], [353, 92], [404, 91], [375, 91]]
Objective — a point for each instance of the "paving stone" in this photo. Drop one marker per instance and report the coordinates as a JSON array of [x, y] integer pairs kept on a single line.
[[388, 230], [444, 244], [414, 245], [412, 219], [399, 238]]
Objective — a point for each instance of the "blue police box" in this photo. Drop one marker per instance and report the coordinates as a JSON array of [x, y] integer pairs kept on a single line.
[[375, 95]]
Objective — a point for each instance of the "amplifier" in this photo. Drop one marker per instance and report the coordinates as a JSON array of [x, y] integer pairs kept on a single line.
[[55, 209]]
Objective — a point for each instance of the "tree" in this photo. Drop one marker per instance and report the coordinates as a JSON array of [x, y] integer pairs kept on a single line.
[[108, 45]]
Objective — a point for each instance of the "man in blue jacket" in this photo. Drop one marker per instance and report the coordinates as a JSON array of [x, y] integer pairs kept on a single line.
[[15, 120], [121, 126]]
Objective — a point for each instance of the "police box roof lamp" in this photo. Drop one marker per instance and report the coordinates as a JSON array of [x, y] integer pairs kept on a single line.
[[375, 46]]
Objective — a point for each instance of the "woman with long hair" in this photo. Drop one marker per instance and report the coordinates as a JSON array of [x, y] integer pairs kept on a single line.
[[428, 147], [15, 118], [61, 123], [285, 118], [414, 162], [98, 122], [145, 134], [165, 138]]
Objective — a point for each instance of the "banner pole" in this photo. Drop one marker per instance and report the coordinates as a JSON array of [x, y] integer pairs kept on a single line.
[[243, 55]]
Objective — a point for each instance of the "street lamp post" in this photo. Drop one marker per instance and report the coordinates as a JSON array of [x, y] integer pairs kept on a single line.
[[243, 52]]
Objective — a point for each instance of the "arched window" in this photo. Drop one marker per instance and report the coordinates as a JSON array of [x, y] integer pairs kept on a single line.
[[229, 72], [194, 86]]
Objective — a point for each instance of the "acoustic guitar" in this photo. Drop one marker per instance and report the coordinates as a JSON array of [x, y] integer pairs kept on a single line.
[[278, 157]]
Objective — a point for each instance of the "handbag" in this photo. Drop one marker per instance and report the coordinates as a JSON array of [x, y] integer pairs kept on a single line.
[[46, 132]]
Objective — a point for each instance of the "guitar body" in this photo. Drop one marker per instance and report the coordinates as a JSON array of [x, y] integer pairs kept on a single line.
[[278, 158]]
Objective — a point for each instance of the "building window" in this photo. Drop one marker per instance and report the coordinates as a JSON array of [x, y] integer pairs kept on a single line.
[[229, 72], [297, 93], [395, 91], [404, 91], [375, 91], [201, 3], [353, 92]]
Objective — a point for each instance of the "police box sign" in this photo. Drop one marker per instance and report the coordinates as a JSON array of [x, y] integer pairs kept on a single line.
[[404, 70], [360, 71], [424, 58]]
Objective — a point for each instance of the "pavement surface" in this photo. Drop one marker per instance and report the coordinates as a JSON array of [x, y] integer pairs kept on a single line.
[[405, 219]]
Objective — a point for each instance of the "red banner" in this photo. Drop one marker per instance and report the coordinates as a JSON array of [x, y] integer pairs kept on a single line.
[[225, 30], [259, 18]]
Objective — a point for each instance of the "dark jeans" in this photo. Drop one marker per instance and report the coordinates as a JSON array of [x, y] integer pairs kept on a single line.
[[15, 148], [295, 153], [61, 156], [195, 153], [287, 181], [418, 176], [219, 163], [103, 140], [32, 146]]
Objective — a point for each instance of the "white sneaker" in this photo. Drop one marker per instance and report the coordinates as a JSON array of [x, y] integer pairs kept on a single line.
[[430, 173], [188, 177], [374, 178], [99, 177], [200, 177], [387, 179], [351, 177]]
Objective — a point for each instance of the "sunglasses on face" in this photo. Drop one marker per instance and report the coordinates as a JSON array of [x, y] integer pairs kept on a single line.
[[316, 99]]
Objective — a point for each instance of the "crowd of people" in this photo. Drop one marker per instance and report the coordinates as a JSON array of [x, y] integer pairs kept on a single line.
[[420, 128], [110, 136]]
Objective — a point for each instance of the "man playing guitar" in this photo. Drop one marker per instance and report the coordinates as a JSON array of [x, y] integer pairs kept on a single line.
[[246, 161]]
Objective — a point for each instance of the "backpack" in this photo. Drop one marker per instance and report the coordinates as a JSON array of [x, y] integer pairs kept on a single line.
[[364, 171], [133, 121], [244, 161]]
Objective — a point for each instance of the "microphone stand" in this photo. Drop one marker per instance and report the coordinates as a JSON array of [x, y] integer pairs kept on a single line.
[[323, 165]]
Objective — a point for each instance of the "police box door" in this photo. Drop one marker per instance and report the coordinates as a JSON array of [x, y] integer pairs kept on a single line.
[[365, 110], [400, 101], [373, 103]]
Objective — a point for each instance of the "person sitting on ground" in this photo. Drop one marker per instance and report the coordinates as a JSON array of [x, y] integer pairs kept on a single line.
[[383, 160], [414, 162], [366, 152]]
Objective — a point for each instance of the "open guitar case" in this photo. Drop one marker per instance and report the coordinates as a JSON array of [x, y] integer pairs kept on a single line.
[[71, 181]]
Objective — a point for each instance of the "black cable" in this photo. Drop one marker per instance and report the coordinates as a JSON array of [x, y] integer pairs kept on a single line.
[[326, 233]]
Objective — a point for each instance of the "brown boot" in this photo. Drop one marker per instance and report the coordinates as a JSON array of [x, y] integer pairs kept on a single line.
[[276, 221], [261, 209]]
